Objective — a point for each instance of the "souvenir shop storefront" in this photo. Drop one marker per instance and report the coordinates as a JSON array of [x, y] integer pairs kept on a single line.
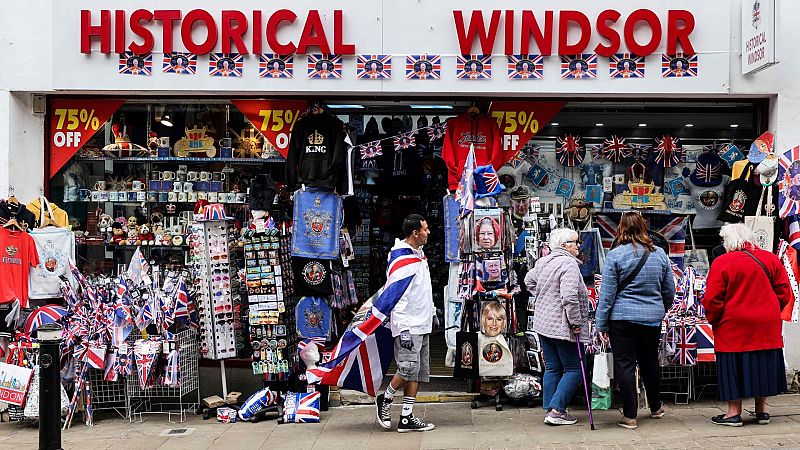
[[220, 211]]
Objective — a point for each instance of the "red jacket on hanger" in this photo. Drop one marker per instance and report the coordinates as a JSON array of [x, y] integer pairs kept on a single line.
[[463, 130]]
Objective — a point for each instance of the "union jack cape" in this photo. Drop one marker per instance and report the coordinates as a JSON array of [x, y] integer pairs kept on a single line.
[[672, 228], [569, 151], [364, 352]]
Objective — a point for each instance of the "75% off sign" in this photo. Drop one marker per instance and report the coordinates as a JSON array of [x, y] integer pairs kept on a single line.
[[275, 119], [519, 121], [73, 123]]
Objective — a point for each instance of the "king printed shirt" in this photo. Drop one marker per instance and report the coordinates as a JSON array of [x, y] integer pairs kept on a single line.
[[17, 256]]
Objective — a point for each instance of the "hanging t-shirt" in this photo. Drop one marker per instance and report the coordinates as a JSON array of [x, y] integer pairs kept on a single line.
[[17, 256], [317, 152], [56, 249], [312, 277], [709, 203]]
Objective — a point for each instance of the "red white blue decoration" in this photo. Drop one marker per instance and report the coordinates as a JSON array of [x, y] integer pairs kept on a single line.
[[565, 187], [374, 67], [705, 343], [180, 63], [404, 140], [616, 149], [569, 150], [641, 152], [672, 228], [301, 407], [133, 64], [668, 152], [789, 183], [685, 345], [679, 65], [273, 65], [225, 64], [324, 66], [437, 131], [474, 67], [44, 315], [579, 66], [531, 150], [517, 160], [626, 65], [370, 150], [525, 67], [423, 67]]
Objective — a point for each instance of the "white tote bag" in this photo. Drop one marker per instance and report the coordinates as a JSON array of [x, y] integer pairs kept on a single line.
[[495, 359], [603, 370], [763, 226]]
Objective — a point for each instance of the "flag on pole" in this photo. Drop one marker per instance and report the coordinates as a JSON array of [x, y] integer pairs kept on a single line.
[[465, 192]]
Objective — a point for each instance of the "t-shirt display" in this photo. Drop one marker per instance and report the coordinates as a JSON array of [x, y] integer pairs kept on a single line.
[[17, 256], [317, 153], [708, 201]]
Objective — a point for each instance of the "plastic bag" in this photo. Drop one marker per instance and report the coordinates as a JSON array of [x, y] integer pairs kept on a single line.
[[601, 398], [31, 410]]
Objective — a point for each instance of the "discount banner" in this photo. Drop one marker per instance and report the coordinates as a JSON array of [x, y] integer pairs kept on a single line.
[[273, 118], [519, 121], [73, 123]]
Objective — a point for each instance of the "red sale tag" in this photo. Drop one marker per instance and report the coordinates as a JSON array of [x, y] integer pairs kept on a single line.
[[519, 121], [274, 119]]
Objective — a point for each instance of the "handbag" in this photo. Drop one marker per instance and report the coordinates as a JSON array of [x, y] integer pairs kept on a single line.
[[740, 198], [466, 363], [763, 226], [697, 258]]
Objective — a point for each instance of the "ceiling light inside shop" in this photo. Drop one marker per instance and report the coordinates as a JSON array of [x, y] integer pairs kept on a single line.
[[166, 120], [599, 124], [734, 125], [554, 124], [689, 125], [430, 106], [642, 124], [346, 106]]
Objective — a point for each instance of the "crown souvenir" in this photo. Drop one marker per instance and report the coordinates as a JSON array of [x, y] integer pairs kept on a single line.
[[316, 138], [640, 196], [195, 141]]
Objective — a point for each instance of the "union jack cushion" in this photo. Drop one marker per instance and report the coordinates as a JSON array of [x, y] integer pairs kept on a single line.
[[301, 407]]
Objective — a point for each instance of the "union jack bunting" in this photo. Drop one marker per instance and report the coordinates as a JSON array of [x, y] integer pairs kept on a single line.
[[145, 361], [423, 67], [474, 67], [569, 151], [678, 65], [668, 152], [583, 65], [437, 131], [685, 345], [364, 352], [705, 342], [133, 64], [370, 150], [301, 407], [616, 149], [181, 301], [730, 154], [626, 65], [374, 67], [517, 160], [525, 67], [180, 63], [225, 65], [273, 65], [323, 66], [789, 183], [404, 140], [672, 228]]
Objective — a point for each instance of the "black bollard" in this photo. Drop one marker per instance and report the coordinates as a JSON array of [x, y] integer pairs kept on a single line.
[[49, 337]]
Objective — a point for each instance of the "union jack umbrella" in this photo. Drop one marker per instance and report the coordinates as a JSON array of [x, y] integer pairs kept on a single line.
[[225, 65], [374, 67], [569, 151], [669, 152], [685, 345], [474, 67], [679, 65], [789, 183], [322, 66], [273, 65], [616, 149], [626, 65], [133, 64], [180, 63], [579, 66], [404, 140], [44, 315], [705, 342], [370, 150], [423, 67], [525, 67], [437, 131]]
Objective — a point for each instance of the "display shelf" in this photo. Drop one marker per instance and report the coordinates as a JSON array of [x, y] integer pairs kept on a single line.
[[103, 244], [157, 202], [135, 159], [658, 212]]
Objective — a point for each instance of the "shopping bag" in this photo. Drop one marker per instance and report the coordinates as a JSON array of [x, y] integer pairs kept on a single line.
[[741, 197], [763, 226], [696, 257], [495, 358], [466, 355], [601, 398], [31, 410], [602, 373]]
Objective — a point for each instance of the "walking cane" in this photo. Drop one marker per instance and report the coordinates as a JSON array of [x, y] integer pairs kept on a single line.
[[585, 385]]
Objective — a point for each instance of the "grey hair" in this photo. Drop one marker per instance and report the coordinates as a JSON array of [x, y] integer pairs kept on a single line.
[[736, 236], [561, 236]]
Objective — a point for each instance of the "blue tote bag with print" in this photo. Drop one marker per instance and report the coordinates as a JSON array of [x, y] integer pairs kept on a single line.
[[317, 222]]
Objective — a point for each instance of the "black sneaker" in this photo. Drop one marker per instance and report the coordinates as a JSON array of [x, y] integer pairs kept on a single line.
[[411, 423], [762, 418], [733, 421], [383, 412]]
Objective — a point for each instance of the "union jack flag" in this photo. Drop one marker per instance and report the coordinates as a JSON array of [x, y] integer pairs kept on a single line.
[[616, 149], [145, 357], [364, 352], [705, 343], [111, 370], [491, 181], [324, 66], [569, 151], [180, 63], [225, 65], [583, 65], [525, 67], [404, 140], [788, 188], [423, 67], [181, 301], [517, 160], [531, 150], [465, 192], [669, 152], [685, 345], [273, 65], [794, 232], [678, 65], [133, 64], [626, 65], [301, 407], [672, 228], [374, 67], [437, 131], [474, 67], [370, 150]]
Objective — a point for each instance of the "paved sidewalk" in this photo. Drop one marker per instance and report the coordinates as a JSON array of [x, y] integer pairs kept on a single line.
[[354, 427]]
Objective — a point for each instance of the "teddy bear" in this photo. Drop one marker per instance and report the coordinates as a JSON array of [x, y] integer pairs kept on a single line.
[[146, 236], [104, 224], [118, 233], [132, 221], [133, 236]]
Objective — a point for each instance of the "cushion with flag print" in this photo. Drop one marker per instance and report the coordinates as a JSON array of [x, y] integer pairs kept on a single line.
[[301, 407]]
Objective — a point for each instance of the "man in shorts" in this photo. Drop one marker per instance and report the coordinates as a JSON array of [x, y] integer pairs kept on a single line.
[[411, 322]]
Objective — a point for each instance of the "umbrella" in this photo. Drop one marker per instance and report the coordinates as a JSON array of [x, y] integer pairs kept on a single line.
[[42, 315]]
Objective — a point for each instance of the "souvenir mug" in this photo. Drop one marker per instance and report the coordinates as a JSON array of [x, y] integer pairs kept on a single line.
[[225, 143], [182, 196], [84, 194], [163, 197], [113, 196], [131, 196], [191, 196], [163, 142], [155, 175], [95, 196], [172, 196], [103, 196], [222, 197], [218, 176], [177, 187], [202, 196], [205, 176], [188, 186], [241, 197], [212, 197], [152, 197], [180, 175], [100, 185], [137, 185], [168, 175], [231, 197], [192, 176]]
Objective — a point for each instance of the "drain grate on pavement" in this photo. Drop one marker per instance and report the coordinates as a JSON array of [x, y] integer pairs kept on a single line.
[[177, 432]]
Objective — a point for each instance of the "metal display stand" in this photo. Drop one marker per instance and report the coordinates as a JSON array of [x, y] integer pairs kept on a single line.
[[678, 381], [109, 395], [155, 400]]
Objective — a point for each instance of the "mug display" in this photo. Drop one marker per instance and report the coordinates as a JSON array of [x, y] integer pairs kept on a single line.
[[218, 176], [202, 195], [137, 185], [177, 187], [213, 197], [192, 176], [205, 176], [103, 196], [95, 196], [155, 175], [113, 196], [172, 196], [182, 196], [84, 194], [226, 143], [141, 196], [163, 197], [168, 175], [191, 197], [188, 186]]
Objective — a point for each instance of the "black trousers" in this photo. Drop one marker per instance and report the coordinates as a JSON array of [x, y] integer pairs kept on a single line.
[[632, 343]]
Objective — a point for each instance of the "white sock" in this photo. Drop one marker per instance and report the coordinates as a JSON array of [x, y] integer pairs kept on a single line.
[[389, 394], [408, 405]]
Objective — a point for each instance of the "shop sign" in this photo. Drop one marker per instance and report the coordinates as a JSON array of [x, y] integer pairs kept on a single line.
[[72, 124], [758, 35], [273, 118], [14, 381], [519, 121]]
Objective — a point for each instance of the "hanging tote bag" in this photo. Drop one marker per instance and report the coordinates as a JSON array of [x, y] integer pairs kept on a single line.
[[495, 358], [56, 249], [317, 221], [466, 363], [697, 258], [763, 226], [740, 198]]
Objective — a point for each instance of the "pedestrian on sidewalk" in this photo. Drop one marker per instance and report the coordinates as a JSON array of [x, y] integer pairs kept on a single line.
[[746, 290], [411, 323], [561, 315], [636, 292]]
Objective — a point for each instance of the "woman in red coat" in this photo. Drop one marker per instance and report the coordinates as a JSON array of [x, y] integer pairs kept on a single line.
[[745, 291]]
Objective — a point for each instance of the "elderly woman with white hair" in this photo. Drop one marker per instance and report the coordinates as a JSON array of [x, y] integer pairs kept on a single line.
[[560, 317], [745, 291]]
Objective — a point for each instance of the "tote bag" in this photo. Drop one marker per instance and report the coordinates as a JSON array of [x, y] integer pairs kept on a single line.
[[741, 198], [56, 249], [697, 258], [466, 363], [495, 358], [763, 226]]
